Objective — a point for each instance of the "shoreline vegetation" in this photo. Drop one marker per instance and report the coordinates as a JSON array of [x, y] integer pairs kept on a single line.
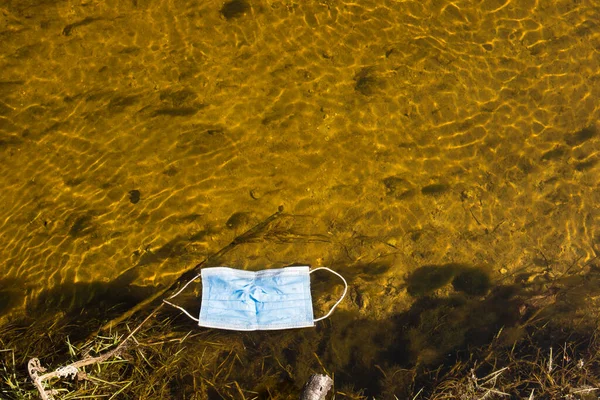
[[550, 351], [545, 362]]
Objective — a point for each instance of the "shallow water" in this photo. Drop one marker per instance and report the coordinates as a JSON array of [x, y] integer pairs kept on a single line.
[[138, 138]]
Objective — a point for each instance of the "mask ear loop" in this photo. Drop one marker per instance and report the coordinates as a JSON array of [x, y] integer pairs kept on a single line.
[[179, 291], [343, 294]]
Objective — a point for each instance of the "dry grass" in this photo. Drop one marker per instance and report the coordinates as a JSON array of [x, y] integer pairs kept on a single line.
[[166, 362], [527, 370]]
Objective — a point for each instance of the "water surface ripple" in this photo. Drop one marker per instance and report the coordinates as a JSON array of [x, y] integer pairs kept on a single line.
[[142, 136]]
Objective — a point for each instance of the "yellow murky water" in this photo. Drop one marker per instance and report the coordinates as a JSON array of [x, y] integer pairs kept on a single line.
[[142, 136]]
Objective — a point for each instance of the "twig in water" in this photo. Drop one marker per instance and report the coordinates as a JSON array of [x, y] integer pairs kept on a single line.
[[187, 275], [416, 395], [550, 361], [584, 390]]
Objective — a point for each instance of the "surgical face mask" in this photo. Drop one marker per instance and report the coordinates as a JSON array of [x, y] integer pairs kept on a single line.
[[263, 300]]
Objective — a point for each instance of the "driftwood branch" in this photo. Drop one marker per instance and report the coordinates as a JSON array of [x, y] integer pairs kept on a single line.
[[35, 368], [316, 388]]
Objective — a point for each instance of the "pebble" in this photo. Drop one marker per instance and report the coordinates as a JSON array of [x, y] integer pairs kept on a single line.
[[134, 196]]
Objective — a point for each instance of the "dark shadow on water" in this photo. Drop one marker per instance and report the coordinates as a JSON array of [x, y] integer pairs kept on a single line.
[[375, 356], [364, 353], [472, 281], [82, 304], [428, 278], [466, 279], [12, 291], [378, 357]]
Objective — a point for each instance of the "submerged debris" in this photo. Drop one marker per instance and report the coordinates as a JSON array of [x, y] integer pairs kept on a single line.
[[317, 387]]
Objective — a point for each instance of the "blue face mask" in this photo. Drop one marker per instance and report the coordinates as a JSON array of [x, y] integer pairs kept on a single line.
[[263, 300]]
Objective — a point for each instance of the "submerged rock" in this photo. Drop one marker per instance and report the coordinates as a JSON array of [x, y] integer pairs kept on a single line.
[[134, 196], [235, 9]]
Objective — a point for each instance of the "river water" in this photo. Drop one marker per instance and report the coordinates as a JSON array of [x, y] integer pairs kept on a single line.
[[402, 138]]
